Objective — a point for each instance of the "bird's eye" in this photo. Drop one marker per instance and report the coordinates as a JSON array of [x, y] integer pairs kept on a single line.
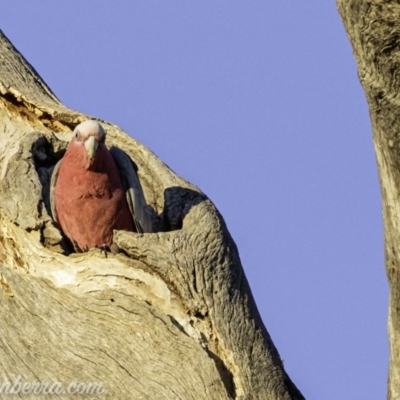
[[77, 135]]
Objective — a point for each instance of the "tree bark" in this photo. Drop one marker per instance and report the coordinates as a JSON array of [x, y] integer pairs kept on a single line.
[[171, 317], [374, 31]]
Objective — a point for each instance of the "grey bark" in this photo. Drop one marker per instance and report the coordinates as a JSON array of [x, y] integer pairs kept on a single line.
[[374, 31], [171, 317]]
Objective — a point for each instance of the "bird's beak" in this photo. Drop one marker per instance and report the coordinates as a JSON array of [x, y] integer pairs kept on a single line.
[[91, 146]]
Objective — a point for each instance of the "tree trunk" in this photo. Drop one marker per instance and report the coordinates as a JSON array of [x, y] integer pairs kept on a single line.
[[374, 31], [170, 317]]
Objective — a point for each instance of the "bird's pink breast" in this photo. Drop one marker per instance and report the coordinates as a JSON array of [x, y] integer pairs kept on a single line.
[[91, 204]]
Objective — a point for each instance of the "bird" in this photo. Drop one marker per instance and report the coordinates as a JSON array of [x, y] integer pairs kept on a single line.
[[94, 190]]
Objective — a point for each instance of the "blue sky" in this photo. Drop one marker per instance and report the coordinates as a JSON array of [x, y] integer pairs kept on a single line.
[[259, 105]]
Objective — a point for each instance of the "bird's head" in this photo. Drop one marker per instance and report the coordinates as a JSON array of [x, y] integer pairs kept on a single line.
[[89, 137]]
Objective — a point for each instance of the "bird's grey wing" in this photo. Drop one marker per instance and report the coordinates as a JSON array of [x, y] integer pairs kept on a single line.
[[134, 192], [53, 183]]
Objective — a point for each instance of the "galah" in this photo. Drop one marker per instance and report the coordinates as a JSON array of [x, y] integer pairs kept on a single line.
[[94, 190]]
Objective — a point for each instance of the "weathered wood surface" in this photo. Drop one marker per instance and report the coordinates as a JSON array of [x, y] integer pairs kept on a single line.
[[373, 27], [170, 318]]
